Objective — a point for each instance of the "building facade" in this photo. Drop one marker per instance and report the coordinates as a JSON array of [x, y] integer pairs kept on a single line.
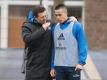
[[96, 23], [92, 14]]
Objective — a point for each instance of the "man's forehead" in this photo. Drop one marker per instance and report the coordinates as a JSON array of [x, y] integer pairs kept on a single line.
[[60, 10], [42, 13]]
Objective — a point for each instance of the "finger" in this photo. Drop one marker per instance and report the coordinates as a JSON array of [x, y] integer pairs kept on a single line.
[[75, 68], [52, 73], [48, 23]]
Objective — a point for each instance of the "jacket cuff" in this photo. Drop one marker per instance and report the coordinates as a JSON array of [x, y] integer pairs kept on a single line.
[[82, 63]]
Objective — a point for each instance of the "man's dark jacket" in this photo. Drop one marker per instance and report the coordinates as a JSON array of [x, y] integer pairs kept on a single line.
[[38, 42]]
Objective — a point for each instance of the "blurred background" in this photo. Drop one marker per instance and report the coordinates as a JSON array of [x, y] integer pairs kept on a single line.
[[91, 13]]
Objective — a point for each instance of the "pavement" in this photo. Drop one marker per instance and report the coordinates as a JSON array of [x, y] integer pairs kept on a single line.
[[11, 60], [99, 59], [10, 64]]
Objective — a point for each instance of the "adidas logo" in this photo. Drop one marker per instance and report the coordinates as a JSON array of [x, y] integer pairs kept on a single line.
[[61, 37]]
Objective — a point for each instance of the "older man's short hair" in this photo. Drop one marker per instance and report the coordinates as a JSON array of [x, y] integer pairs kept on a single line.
[[38, 9]]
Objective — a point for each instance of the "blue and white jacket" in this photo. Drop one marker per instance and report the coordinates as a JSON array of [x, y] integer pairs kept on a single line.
[[80, 37]]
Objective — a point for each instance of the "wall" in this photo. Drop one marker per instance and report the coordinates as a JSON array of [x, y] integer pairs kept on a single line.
[[96, 23], [15, 33]]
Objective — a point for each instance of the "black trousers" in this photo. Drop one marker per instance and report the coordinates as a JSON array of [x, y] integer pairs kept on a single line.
[[37, 74], [67, 73]]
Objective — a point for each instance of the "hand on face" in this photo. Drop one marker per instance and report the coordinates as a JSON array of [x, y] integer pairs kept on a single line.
[[46, 25]]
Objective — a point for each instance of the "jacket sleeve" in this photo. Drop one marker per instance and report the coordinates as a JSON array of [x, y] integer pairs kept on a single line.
[[82, 42], [53, 49], [29, 36], [53, 54]]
